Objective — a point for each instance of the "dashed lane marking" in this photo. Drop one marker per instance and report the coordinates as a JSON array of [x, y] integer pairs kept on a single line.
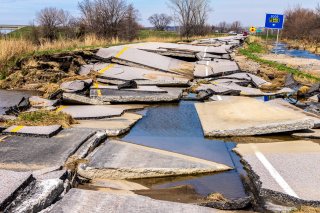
[[274, 173], [16, 129]]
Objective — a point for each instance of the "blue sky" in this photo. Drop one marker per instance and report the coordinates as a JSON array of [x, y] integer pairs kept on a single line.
[[249, 12]]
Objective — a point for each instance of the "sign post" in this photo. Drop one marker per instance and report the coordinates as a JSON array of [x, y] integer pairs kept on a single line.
[[275, 21]]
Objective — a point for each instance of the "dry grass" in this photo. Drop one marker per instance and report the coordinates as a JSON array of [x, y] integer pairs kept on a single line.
[[306, 209], [216, 197], [14, 48], [42, 118]]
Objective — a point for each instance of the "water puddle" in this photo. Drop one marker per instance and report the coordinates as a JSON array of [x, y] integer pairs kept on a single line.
[[177, 128], [283, 49]]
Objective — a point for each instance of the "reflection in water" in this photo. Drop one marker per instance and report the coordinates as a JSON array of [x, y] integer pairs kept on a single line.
[[176, 128]]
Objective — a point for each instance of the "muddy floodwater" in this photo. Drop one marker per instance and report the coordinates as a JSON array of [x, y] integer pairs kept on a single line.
[[177, 128]]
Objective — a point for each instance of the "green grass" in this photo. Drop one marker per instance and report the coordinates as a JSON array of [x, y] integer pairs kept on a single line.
[[144, 34], [24, 32], [252, 51]]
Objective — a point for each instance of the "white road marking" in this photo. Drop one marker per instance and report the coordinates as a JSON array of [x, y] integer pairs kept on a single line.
[[219, 97], [274, 173], [205, 52], [207, 71]]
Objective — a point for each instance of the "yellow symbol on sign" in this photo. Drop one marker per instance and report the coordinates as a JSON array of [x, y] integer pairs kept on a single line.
[[253, 29]]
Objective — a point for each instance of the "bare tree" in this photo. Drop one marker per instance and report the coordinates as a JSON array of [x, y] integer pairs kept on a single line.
[[302, 23], [106, 17], [50, 20], [223, 27], [191, 14], [160, 21], [236, 26]]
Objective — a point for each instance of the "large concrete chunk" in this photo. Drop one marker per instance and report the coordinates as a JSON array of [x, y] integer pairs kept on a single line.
[[113, 126], [256, 81], [117, 74], [146, 89], [97, 202], [288, 171], [139, 58], [160, 47], [121, 160], [42, 195], [10, 184], [41, 131], [91, 112], [228, 87], [12, 100], [286, 105], [218, 67], [31, 153], [242, 116], [134, 96]]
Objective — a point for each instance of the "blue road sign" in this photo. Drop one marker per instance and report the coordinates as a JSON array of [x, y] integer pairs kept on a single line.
[[274, 21]]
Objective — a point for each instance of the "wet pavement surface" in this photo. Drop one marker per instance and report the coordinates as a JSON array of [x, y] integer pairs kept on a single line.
[[177, 128]]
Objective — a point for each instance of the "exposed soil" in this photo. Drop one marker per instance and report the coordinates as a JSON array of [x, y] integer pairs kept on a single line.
[[46, 72]]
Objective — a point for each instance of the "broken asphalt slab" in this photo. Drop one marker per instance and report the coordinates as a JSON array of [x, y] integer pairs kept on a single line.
[[216, 68], [241, 116], [93, 201], [132, 96], [31, 153], [112, 126], [231, 88], [122, 160], [284, 172], [91, 111], [117, 74], [40, 131], [138, 58], [282, 103], [11, 183]]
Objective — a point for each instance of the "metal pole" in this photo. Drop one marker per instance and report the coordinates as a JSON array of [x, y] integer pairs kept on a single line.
[[277, 41], [267, 37]]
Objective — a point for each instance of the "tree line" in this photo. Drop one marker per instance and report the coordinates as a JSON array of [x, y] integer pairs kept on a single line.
[[302, 24], [116, 19]]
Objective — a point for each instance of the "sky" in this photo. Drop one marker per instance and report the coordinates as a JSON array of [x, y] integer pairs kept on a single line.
[[248, 12]]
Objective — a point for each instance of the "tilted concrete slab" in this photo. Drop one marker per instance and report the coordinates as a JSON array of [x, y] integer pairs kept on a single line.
[[97, 202], [143, 59], [146, 89], [11, 183], [41, 131], [75, 86], [40, 196], [241, 116], [218, 67], [122, 96], [282, 103], [73, 98], [31, 153], [257, 81], [117, 74], [288, 171], [39, 102], [160, 46], [91, 111], [121, 160], [222, 88], [113, 126]]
